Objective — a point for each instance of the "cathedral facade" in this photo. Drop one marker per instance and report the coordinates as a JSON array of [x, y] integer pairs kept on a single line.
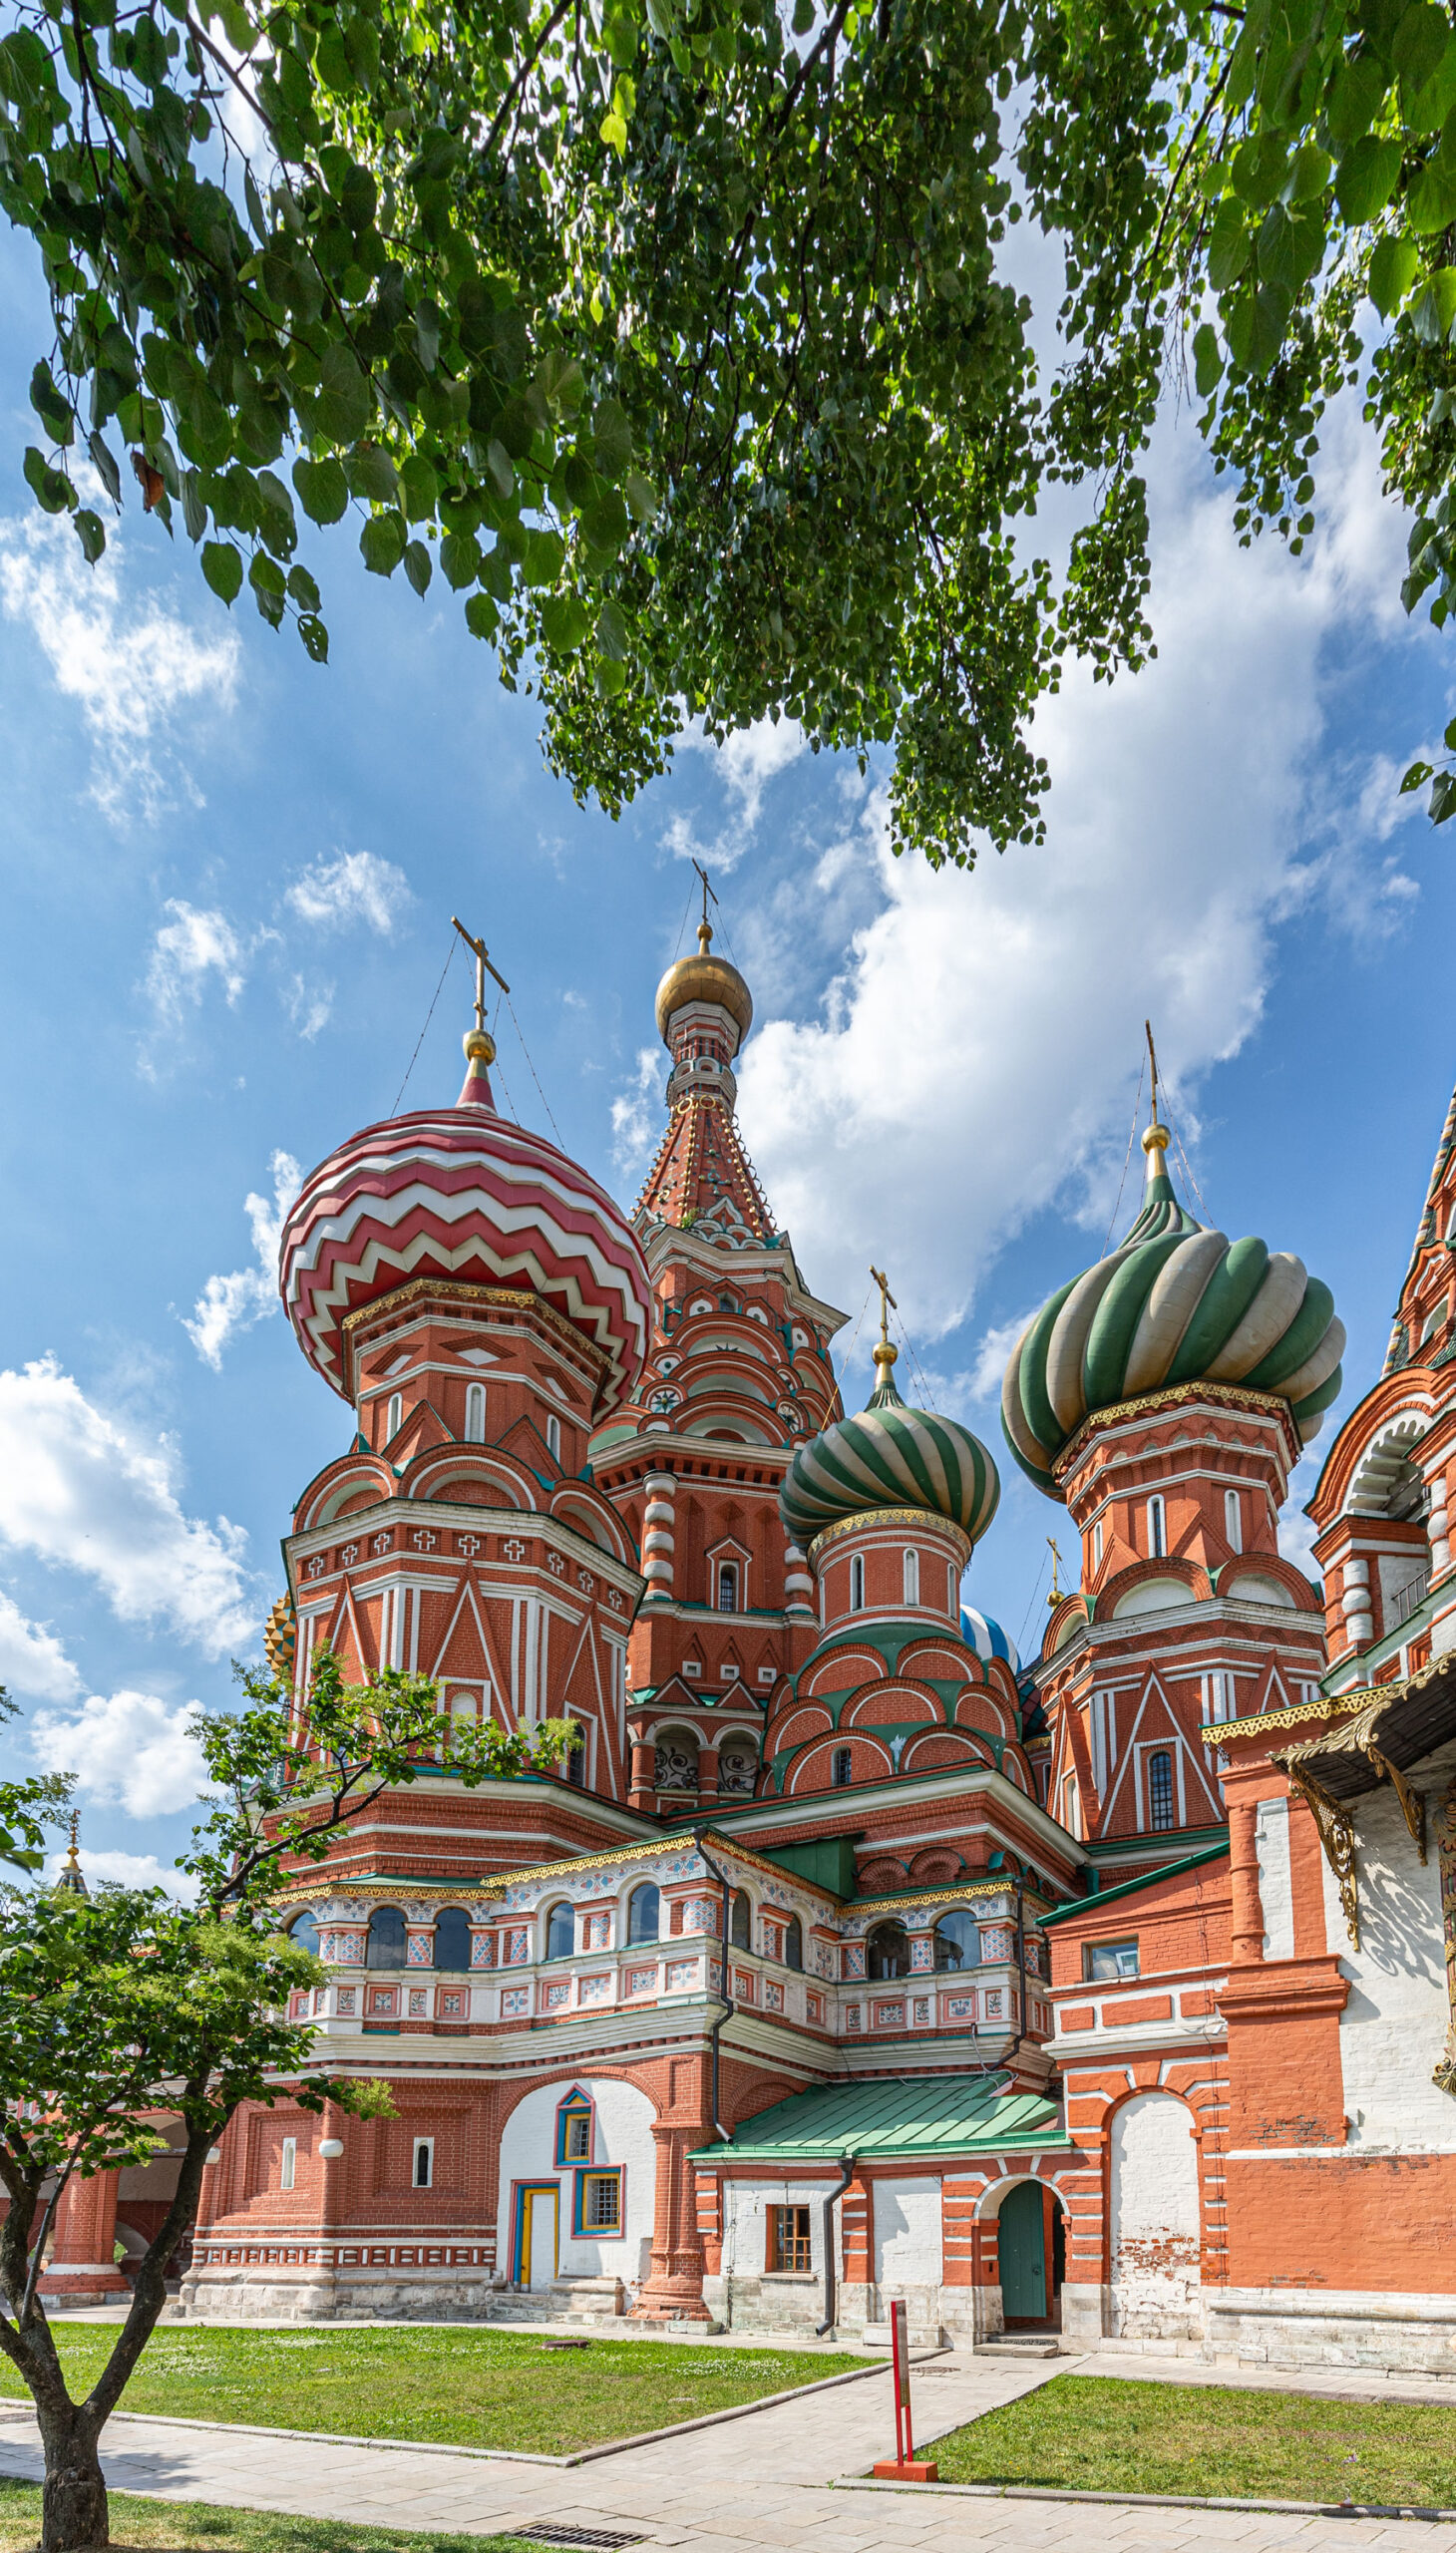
[[847, 1957]]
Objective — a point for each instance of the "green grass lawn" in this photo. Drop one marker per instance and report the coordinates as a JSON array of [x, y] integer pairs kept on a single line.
[[460, 2386], [189, 2526], [1099, 2434]]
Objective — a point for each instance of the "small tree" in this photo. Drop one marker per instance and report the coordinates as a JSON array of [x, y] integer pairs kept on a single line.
[[116, 2006]]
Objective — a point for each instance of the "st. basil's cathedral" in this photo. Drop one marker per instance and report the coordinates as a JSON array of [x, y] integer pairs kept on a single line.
[[848, 1956]]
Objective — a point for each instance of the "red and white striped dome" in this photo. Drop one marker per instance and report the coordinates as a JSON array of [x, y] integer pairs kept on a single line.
[[460, 1193]]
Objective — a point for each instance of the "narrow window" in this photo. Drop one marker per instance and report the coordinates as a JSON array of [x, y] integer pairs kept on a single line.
[[291, 2158], [452, 1940], [643, 1914], [1097, 1544], [913, 1578], [577, 2139], [1159, 1791], [956, 1942], [424, 2174], [1156, 1530], [561, 1933], [577, 1767], [553, 1437], [788, 2241], [856, 1584], [740, 1921], [794, 1944], [1232, 1520], [1071, 1806], [474, 1414], [728, 1586], [393, 1410], [844, 1767], [953, 1588]]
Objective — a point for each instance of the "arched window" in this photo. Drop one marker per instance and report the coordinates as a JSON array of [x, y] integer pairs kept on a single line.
[[393, 1410], [794, 1944], [553, 1437], [856, 1584], [1159, 1791], [912, 1578], [1097, 1544], [303, 1933], [1156, 1530], [386, 1937], [953, 1588], [740, 1921], [451, 1938], [728, 1586], [576, 1767], [842, 1769], [643, 1914], [1232, 1520], [474, 1414], [958, 1942], [561, 1937], [888, 1951]]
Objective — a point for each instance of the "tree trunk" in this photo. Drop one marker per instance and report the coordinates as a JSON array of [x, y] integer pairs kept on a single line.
[[74, 2517]]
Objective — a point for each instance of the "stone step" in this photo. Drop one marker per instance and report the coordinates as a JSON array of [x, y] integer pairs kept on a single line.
[[1008, 2344]]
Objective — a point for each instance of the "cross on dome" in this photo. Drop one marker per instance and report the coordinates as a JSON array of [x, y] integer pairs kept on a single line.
[[480, 1045]]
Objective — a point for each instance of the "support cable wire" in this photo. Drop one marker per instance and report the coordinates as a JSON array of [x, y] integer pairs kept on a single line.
[[1030, 1608], [839, 1395], [419, 1041], [534, 1075], [1127, 1157]]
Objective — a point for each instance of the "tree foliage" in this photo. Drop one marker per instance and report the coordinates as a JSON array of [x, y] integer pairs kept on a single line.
[[118, 2007], [676, 337]]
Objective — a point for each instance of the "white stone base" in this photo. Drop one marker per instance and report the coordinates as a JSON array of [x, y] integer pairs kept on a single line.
[[273, 2295], [1332, 2327]]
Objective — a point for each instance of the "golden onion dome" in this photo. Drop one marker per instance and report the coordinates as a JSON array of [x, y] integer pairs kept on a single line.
[[705, 979]]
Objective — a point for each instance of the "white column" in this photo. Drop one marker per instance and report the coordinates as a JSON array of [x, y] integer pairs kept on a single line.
[[659, 1536], [1438, 1527], [1359, 1622], [797, 1583]]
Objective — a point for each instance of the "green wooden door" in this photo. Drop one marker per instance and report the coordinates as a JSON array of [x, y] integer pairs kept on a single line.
[[1022, 2246]]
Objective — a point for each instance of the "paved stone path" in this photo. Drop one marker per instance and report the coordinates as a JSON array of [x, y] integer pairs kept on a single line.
[[747, 2485]]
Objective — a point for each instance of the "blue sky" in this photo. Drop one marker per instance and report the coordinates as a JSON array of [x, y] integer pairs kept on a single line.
[[228, 880]]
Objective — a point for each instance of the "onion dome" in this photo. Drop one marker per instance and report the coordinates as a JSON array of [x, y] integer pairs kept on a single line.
[[462, 1194], [988, 1638], [890, 1456], [1177, 1303], [705, 979]]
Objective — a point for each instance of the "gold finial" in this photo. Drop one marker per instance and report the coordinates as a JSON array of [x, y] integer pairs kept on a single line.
[[1157, 1139], [705, 927], [72, 1878], [1055, 1598], [477, 1041], [886, 1352]]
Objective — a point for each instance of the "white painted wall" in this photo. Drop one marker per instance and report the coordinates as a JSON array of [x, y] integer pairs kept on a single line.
[[1393, 2027], [908, 2249], [745, 2221], [624, 2135], [1276, 1882], [1155, 2231]]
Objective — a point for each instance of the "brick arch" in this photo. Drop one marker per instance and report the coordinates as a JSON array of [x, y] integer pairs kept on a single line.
[[943, 1747], [892, 1708], [869, 1763]]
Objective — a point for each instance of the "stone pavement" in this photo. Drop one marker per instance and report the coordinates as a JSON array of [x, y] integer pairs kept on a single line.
[[749, 2484]]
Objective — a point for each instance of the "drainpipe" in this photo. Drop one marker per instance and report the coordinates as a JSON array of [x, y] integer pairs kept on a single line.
[[1020, 1962], [847, 2174], [725, 1997]]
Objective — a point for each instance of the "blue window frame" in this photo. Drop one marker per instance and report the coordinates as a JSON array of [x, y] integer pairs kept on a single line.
[[575, 2128], [597, 2202]]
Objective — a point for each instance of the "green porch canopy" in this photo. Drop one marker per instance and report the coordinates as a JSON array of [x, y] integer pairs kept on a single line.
[[920, 2117]]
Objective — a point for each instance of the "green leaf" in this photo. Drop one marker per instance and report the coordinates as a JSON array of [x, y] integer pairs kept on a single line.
[[605, 523], [1419, 43], [612, 439], [1259, 168], [501, 470], [1449, 738], [566, 622], [610, 677], [382, 543], [1208, 362], [1309, 174], [642, 497], [1416, 778], [1432, 203], [1230, 243], [421, 488], [1364, 182], [222, 568], [1255, 327], [51, 489], [419, 565], [323, 491], [345, 400], [460, 559], [1355, 98], [315, 639], [482, 618], [1434, 308], [195, 507], [1443, 797], [611, 633], [104, 463], [1392, 272], [269, 589], [371, 473], [302, 589], [50, 407], [90, 533], [545, 557], [803, 16]]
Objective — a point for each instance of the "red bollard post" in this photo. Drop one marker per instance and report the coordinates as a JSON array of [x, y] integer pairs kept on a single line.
[[904, 2468]]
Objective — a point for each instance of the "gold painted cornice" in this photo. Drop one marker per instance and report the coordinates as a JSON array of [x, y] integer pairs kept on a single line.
[[1175, 1397], [896, 1519]]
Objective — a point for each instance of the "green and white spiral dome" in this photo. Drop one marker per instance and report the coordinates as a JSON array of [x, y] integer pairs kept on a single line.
[[1177, 1303], [890, 1456]]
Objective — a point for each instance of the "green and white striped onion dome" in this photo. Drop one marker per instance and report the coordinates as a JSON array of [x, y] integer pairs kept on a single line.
[[1177, 1303], [890, 1456]]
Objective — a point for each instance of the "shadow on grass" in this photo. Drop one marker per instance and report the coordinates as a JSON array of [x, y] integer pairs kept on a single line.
[[193, 2526]]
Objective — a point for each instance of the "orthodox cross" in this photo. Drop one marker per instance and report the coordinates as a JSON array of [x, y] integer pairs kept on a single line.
[[888, 1305], [1055, 1596], [482, 966], [1153, 1060], [705, 927]]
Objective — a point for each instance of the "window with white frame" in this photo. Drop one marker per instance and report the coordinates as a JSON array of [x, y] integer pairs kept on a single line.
[[1097, 1544], [393, 1410], [953, 1588], [857, 1583], [474, 1414], [1219, 1696], [1232, 1520], [1104, 1739], [553, 1437], [422, 2177], [727, 1586], [1071, 1805], [1156, 1530], [288, 2163], [1160, 1790], [912, 1578]]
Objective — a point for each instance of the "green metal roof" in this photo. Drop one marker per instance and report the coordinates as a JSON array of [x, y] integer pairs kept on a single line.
[[1129, 1887], [940, 2116]]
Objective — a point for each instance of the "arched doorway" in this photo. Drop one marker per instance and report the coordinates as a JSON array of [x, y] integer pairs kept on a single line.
[[1031, 2256], [1154, 2219]]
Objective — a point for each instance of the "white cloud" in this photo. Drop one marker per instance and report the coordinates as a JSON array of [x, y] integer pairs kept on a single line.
[[978, 1052], [32, 1659], [126, 1869], [83, 1491], [310, 1006], [126, 1749], [744, 763], [193, 950], [637, 1113], [135, 669], [992, 1353], [228, 1304], [357, 887]]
